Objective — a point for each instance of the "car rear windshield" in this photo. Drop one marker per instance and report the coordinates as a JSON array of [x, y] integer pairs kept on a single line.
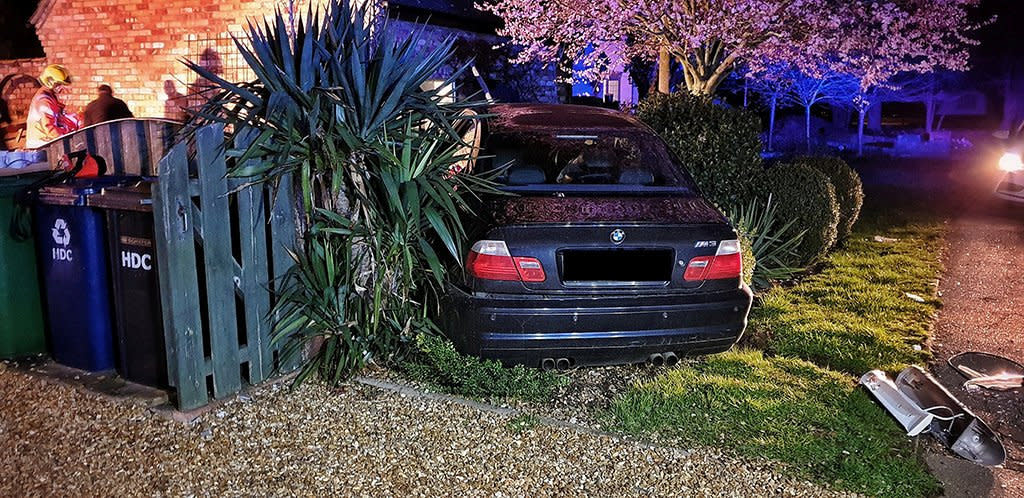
[[617, 161]]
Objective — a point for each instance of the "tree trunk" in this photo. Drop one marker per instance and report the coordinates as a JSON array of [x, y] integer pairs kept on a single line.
[[875, 116], [929, 114], [1009, 99], [563, 78], [861, 114], [807, 126], [664, 70], [771, 121]]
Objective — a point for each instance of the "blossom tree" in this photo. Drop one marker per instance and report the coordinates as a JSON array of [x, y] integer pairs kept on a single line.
[[876, 41], [818, 85], [772, 83], [707, 37], [710, 38], [561, 32]]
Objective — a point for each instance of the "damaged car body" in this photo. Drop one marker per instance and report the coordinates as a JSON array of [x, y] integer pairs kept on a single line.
[[602, 251]]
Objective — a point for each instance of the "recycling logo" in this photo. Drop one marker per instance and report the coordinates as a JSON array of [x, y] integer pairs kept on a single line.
[[61, 234]]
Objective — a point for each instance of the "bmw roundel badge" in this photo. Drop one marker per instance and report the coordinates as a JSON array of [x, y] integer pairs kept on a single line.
[[617, 236]]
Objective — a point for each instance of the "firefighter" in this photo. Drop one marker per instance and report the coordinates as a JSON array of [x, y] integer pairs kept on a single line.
[[47, 118]]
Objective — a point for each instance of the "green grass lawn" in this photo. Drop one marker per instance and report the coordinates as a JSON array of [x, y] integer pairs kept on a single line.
[[813, 419], [854, 315], [797, 401]]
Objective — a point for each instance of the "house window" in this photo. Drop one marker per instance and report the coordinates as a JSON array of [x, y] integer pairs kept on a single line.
[[611, 91]]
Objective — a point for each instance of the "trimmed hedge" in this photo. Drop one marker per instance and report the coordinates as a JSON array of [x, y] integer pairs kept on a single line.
[[720, 146], [805, 194], [848, 187]]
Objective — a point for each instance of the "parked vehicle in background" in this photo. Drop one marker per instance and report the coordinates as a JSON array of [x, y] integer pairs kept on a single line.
[[1011, 186], [604, 253]]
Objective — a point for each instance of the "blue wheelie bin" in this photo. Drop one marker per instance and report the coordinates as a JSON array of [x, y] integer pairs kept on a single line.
[[73, 261]]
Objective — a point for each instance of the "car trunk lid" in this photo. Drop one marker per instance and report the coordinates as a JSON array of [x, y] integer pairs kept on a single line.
[[611, 245]]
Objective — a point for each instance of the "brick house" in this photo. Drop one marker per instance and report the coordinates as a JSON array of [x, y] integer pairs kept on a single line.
[[136, 46]]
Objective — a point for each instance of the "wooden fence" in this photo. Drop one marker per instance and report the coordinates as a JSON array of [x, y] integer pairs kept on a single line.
[[127, 146], [221, 247]]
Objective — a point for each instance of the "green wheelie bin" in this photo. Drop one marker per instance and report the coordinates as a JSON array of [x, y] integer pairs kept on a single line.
[[21, 311]]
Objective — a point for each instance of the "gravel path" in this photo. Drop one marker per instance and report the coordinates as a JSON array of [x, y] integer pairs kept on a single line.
[[56, 440], [981, 298], [982, 312]]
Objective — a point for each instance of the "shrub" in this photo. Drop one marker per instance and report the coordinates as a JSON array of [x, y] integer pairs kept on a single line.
[[849, 189], [435, 361], [770, 241], [720, 146], [342, 108], [805, 196]]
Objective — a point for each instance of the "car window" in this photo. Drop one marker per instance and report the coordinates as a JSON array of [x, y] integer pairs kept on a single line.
[[627, 160]]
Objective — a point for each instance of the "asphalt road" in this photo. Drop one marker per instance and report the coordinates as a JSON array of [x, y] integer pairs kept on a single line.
[[983, 303]]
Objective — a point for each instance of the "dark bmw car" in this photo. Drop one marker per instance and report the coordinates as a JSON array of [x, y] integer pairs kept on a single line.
[[605, 252]]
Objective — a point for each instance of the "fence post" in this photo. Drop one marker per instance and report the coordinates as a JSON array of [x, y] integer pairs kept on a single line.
[[179, 285]]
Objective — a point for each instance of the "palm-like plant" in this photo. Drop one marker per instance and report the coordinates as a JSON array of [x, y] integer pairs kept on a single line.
[[771, 241], [340, 105]]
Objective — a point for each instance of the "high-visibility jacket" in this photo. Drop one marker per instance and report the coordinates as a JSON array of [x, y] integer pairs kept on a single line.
[[47, 119]]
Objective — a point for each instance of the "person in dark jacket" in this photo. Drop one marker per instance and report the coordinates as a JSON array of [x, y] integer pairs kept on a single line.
[[106, 107]]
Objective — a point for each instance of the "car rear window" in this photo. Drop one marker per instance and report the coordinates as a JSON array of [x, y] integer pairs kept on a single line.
[[617, 160]]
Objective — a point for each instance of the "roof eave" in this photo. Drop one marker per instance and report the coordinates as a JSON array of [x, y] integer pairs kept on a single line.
[[41, 13]]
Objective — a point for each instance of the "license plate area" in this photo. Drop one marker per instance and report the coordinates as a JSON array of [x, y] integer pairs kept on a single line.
[[588, 267]]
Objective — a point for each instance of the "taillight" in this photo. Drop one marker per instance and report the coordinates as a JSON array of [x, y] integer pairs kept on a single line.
[[490, 260], [726, 263]]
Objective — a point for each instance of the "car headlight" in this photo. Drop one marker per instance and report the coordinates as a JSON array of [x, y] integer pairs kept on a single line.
[[1011, 162]]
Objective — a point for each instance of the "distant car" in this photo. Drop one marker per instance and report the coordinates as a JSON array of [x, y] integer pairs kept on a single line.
[[1011, 186], [606, 253]]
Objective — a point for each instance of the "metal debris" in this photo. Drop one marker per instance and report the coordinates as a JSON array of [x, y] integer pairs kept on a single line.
[[918, 401], [914, 297], [986, 370]]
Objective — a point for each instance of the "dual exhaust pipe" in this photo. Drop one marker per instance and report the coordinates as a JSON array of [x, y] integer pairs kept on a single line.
[[562, 364], [668, 359]]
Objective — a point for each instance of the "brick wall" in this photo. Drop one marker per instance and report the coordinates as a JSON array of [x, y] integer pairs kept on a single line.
[[19, 85], [136, 46]]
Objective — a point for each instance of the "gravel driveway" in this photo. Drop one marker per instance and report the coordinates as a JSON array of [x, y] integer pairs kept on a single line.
[[360, 440]]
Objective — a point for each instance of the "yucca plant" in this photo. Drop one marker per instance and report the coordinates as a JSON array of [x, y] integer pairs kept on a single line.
[[772, 241], [340, 106]]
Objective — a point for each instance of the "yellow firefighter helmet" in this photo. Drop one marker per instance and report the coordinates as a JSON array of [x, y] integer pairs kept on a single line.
[[54, 75]]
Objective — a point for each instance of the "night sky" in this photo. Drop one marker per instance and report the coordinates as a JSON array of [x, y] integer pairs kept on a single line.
[[18, 37]]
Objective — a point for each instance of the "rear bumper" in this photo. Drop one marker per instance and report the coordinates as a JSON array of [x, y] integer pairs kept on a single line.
[[525, 329]]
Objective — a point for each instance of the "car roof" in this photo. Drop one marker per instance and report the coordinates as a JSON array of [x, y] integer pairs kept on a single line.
[[550, 117]]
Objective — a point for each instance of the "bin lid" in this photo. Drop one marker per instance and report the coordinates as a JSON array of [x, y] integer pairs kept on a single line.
[[10, 185], [136, 196], [75, 192]]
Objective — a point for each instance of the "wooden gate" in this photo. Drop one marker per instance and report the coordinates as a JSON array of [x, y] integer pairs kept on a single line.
[[221, 247]]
